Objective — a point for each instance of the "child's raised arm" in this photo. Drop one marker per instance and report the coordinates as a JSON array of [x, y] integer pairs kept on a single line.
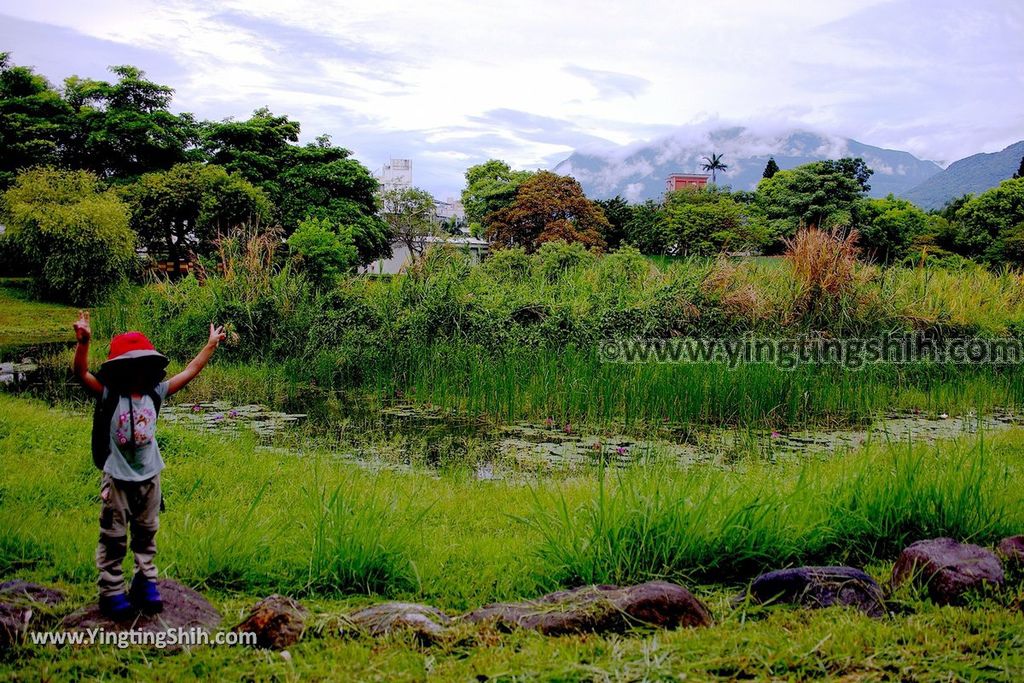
[[83, 333], [178, 382]]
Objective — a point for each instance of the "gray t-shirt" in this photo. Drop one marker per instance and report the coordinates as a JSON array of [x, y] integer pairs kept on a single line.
[[143, 461]]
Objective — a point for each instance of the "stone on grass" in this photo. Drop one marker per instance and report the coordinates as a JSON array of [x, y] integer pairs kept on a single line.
[[599, 609], [427, 623], [1012, 551], [276, 620], [184, 609], [816, 587], [949, 569], [19, 604]]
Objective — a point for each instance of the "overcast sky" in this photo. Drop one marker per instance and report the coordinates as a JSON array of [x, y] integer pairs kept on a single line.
[[450, 83]]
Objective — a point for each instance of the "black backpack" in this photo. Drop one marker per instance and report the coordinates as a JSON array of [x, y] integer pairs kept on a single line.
[[102, 414]]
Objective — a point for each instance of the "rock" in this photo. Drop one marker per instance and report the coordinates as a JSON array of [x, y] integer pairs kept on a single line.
[[19, 601], [184, 609], [600, 609], [949, 569], [1012, 551], [277, 622], [816, 587], [30, 592], [428, 623]]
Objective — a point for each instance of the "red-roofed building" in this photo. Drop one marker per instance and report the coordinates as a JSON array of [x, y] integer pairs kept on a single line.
[[681, 181]]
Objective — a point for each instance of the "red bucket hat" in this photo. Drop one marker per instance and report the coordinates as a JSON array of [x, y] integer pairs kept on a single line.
[[132, 345]]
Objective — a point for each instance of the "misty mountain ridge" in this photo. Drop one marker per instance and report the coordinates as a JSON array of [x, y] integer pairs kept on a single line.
[[638, 172]]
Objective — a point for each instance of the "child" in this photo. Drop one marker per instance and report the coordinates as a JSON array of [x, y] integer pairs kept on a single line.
[[129, 389]]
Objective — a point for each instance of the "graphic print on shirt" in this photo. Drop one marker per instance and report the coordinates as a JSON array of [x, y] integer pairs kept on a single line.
[[145, 427]]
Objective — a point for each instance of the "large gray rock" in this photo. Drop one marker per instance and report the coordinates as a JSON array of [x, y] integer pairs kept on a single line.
[[816, 587], [949, 569], [599, 609], [20, 602], [277, 621], [427, 623], [184, 609]]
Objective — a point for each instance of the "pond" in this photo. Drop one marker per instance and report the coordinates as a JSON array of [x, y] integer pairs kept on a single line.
[[397, 433]]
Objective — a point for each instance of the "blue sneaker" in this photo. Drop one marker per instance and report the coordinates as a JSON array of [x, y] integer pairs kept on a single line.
[[116, 607], [145, 596]]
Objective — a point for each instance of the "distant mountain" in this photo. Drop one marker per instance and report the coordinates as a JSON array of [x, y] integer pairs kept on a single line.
[[638, 172], [974, 174]]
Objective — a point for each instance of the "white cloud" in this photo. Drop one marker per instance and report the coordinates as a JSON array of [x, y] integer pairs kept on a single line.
[[939, 78]]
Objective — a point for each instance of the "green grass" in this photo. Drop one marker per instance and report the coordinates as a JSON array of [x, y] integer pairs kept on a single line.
[[24, 321], [242, 523]]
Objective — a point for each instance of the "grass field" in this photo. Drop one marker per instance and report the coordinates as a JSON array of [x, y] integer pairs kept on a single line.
[[242, 523], [24, 321]]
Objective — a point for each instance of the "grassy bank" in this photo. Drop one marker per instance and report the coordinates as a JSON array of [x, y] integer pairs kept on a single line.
[[241, 523], [25, 321], [244, 519]]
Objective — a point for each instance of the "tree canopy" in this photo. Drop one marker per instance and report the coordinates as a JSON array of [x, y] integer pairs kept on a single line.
[[548, 207]]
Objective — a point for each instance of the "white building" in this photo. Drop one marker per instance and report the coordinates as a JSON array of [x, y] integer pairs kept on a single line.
[[395, 175]]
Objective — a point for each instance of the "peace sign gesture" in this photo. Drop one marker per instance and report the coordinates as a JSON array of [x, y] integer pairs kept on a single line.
[[83, 332]]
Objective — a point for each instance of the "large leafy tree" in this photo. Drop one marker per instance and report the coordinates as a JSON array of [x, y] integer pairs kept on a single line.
[[647, 229], [411, 215], [323, 181], [992, 224], [771, 168], [888, 226], [33, 121], [821, 193], [124, 129], [257, 149], [548, 207], [187, 208], [618, 212], [72, 234], [714, 165], [490, 186], [707, 221]]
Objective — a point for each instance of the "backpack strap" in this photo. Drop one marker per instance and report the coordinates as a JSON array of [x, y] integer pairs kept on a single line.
[[103, 413]]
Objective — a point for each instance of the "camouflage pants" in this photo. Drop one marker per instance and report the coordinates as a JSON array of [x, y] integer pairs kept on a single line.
[[127, 505]]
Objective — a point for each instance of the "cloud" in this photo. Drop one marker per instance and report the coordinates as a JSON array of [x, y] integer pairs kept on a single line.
[[451, 82], [610, 83]]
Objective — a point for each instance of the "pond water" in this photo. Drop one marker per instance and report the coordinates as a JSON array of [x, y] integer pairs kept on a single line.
[[402, 434]]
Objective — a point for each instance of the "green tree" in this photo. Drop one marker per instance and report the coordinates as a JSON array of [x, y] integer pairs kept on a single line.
[[124, 129], [411, 215], [770, 169], [323, 181], [490, 186], [258, 149], [33, 121], [618, 212], [647, 229], [548, 207], [821, 193], [1020, 170], [322, 251], [888, 227], [708, 221], [714, 164], [187, 208], [991, 224], [73, 234]]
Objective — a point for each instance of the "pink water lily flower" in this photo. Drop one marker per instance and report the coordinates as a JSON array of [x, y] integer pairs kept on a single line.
[[196, 408], [776, 435], [621, 450]]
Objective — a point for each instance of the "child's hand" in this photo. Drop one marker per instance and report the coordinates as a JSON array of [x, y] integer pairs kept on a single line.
[[83, 333], [217, 335]]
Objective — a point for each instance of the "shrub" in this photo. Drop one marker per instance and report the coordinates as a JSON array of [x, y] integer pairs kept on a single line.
[[74, 235], [555, 259], [322, 251]]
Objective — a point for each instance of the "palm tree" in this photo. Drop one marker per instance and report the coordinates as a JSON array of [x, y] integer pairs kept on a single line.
[[714, 164]]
